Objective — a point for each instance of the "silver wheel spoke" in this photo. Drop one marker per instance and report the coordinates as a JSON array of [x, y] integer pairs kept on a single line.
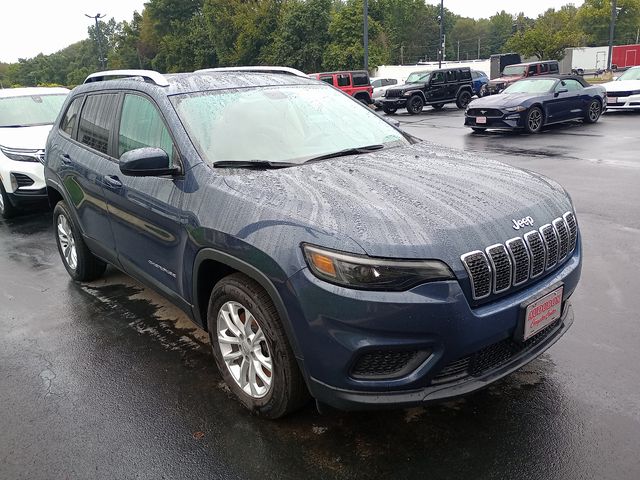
[[232, 355]]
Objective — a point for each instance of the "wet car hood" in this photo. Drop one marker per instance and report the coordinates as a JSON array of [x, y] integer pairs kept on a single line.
[[409, 86], [421, 201], [25, 137], [508, 79], [502, 100], [622, 86]]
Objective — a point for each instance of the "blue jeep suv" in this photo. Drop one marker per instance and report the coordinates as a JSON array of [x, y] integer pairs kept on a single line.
[[326, 252]]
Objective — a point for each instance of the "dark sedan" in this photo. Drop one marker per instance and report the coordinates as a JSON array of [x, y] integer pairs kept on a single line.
[[530, 104]]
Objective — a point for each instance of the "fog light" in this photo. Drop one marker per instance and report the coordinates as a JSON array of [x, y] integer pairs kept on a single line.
[[14, 182]]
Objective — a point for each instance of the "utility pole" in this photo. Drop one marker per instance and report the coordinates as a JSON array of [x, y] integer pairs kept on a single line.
[[478, 48], [366, 35], [441, 52], [638, 35], [612, 29], [458, 50], [97, 17], [401, 54]]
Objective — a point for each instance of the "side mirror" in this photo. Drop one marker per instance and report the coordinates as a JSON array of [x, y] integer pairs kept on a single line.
[[147, 162], [562, 90], [615, 78]]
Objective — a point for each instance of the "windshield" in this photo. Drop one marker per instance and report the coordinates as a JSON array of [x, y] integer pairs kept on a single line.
[[531, 86], [279, 124], [514, 70], [417, 77], [30, 110], [633, 74]]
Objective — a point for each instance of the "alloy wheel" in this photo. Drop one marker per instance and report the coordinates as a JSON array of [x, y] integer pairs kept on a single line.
[[244, 349], [535, 120], [67, 242], [594, 111]]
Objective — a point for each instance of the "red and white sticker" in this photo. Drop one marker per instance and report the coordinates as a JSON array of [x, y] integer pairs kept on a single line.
[[542, 312]]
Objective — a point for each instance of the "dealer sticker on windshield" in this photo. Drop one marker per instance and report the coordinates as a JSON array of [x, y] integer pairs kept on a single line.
[[542, 312]]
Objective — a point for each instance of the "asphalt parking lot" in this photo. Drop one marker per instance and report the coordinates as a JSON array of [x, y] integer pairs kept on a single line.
[[107, 380]]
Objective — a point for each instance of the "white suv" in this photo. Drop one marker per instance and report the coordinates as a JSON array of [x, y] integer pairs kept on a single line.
[[26, 116]]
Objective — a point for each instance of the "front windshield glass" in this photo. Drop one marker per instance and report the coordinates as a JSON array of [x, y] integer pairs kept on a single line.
[[30, 110], [279, 124], [514, 70], [531, 86], [633, 74], [417, 77]]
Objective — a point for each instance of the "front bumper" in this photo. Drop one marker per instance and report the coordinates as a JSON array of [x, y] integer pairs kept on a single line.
[[31, 188], [631, 102], [336, 327], [508, 121], [395, 102]]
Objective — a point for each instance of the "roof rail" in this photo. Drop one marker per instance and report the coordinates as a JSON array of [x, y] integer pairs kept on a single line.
[[258, 69], [146, 75]]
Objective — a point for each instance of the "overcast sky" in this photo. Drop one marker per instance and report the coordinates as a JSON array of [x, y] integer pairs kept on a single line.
[[29, 27]]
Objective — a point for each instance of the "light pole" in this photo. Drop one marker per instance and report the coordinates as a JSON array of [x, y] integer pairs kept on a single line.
[[366, 35], [97, 17], [612, 28], [441, 49]]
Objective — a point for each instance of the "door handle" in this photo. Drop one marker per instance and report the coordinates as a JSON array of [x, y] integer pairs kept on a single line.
[[65, 158], [112, 181]]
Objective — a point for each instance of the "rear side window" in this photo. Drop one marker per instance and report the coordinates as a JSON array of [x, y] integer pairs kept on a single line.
[[327, 78], [451, 76], [96, 121], [360, 79], [343, 80], [465, 74], [544, 68], [533, 70], [70, 119], [553, 68], [141, 125]]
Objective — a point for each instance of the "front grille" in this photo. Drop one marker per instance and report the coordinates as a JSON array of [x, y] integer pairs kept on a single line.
[[523, 258], [491, 357], [393, 93], [484, 112], [23, 180], [378, 364], [619, 94]]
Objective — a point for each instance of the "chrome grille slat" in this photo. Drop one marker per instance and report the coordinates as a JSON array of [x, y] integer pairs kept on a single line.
[[500, 266], [551, 242], [563, 237], [520, 259]]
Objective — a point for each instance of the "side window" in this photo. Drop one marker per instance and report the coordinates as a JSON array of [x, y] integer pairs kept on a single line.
[[572, 85], [360, 79], [544, 68], [475, 75], [343, 79], [451, 76], [96, 121], [142, 126], [70, 118], [377, 83], [533, 70], [327, 78], [464, 74], [553, 68], [438, 77], [391, 81]]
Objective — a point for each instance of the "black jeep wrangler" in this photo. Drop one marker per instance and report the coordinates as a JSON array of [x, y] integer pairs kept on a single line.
[[435, 88]]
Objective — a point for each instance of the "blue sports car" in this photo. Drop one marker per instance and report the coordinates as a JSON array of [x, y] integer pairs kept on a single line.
[[532, 103]]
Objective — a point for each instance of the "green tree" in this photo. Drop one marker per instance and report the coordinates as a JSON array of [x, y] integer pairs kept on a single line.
[[551, 34], [594, 17], [500, 30]]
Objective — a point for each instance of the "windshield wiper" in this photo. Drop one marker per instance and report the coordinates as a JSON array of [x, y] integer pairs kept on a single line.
[[347, 151], [251, 164], [14, 126]]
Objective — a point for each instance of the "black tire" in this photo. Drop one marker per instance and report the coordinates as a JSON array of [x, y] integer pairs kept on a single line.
[[478, 129], [87, 266], [593, 112], [438, 106], [364, 99], [7, 210], [464, 98], [415, 104], [389, 110], [534, 120], [287, 392]]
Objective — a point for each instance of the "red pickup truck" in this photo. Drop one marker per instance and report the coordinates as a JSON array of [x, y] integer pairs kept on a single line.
[[354, 83]]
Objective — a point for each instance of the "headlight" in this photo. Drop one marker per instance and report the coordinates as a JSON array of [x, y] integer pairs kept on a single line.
[[408, 93], [519, 108], [358, 271], [20, 155]]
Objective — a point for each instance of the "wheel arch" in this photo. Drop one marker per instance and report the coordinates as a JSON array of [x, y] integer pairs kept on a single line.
[[363, 95], [211, 266]]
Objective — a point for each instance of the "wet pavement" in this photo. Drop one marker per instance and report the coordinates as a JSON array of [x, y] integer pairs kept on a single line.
[[107, 380]]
